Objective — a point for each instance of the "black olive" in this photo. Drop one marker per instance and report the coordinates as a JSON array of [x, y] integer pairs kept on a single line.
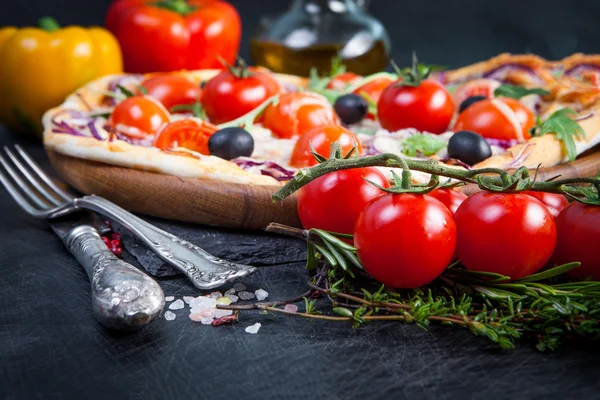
[[469, 102], [230, 143], [469, 147], [351, 108]]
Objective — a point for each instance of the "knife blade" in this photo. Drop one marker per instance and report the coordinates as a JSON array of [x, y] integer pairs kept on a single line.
[[123, 297]]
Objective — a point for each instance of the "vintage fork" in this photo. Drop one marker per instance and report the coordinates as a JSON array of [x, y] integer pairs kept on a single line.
[[203, 269]]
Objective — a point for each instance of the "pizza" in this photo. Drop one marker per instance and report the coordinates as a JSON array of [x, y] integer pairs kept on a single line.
[[250, 126]]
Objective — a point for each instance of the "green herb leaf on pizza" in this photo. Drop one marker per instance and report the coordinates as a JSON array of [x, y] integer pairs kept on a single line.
[[516, 91], [565, 128], [422, 144]]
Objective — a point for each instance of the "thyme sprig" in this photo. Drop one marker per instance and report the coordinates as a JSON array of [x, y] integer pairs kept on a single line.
[[543, 307]]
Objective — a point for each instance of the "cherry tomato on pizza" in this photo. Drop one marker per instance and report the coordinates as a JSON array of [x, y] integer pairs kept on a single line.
[[451, 198], [372, 91], [321, 138], [512, 234], [555, 202], [405, 240], [334, 201], [171, 35], [427, 107], [139, 116], [296, 113], [192, 134], [579, 238], [236, 91], [478, 88], [500, 118], [172, 90], [341, 81]]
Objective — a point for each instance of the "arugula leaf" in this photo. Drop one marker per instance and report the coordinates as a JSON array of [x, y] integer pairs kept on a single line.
[[370, 101], [126, 92], [195, 108], [516, 92], [565, 129], [422, 144]]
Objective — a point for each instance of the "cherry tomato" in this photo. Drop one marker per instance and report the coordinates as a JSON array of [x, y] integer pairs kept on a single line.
[[321, 139], [296, 113], [451, 198], [372, 91], [405, 240], [501, 118], [579, 238], [229, 95], [139, 116], [555, 202], [192, 134], [341, 81], [427, 107], [172, 90], [512, 234], [320, 203]]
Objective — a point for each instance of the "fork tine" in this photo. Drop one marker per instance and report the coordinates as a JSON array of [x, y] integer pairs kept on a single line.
[[42, 175], [16, 195], [25, 189], [32, 180]]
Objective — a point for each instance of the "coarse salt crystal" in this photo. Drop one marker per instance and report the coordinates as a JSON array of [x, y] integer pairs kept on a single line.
[[223, 313], [196, 317], [232, 297], [253, 329], [206, 320], [224, 301], [207, 312], [239, 287], [261, 294], [216, 295], [169, 298], [230, 291], [203, 303], [177, 305], [188, 299], [170, 316], [246, 295], [290, 308]]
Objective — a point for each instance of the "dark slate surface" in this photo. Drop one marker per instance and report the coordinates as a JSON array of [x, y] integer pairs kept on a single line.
[[52, 348]]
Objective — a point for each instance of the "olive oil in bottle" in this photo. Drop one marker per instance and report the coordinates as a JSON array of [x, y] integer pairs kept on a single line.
[[315, 31]]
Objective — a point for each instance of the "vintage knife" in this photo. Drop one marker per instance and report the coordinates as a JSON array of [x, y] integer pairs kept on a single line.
[[123, 297]]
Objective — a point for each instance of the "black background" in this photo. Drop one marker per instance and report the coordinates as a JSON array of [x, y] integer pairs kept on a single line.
[[448, 32], [51, 348]]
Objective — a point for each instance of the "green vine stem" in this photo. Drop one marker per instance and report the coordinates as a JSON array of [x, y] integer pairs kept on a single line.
[[486, 177]]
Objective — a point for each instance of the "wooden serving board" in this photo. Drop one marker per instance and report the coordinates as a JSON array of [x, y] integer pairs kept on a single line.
[[183, 199], [216, 203]]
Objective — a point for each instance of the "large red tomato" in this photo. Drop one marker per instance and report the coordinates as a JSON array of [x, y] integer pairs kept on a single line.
[[296, 113], [405, 240], [555, 202], [229, 95], [172, 90], [427, 107], [139, 116], [334, 201], [512, 234], [501, 118], [171, 35], [579, 239], [321, 138], [449, 197]]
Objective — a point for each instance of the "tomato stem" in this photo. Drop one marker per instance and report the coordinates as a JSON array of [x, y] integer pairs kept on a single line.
[[486, 178], [48, 24]]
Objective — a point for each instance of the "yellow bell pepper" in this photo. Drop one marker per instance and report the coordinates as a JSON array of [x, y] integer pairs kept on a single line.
[[40, 67]]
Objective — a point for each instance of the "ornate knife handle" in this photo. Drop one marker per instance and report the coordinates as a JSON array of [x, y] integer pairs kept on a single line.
[[203, 269], [123, 297]]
